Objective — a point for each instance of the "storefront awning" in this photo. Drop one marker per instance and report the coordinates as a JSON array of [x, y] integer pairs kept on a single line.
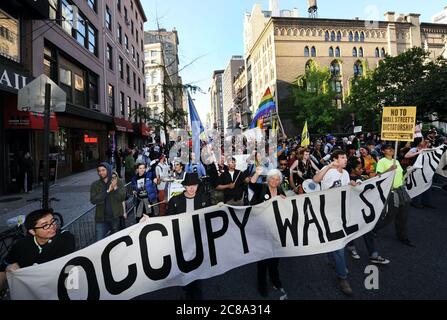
[[15, 119], [123, 125]]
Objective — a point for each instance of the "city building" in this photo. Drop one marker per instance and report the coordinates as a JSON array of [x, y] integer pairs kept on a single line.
[[163, 83], [241, 113], [228, 89], [93, 50], [216, 96], [279, 48]]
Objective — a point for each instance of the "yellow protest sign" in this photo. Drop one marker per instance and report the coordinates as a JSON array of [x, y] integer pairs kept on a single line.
[[398, 123]]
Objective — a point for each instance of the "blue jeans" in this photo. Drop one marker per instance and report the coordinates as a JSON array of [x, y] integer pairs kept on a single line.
[[338, 258], [102, 228]]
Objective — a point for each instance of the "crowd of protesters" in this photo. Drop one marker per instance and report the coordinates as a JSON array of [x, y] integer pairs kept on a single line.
[[326, 163]]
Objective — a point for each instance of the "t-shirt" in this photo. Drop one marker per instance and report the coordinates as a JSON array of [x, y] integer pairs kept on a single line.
[[141, 186], [334, 179], [189, 204], [162, 171], [384, 164], [27, 253]]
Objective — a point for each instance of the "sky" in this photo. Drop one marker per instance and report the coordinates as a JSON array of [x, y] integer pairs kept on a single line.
[[211, 31]]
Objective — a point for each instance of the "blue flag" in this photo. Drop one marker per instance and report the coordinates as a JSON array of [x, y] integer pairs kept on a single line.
[[196, 128]]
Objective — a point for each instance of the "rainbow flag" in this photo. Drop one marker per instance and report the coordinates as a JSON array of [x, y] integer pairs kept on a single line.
[[266, 106]]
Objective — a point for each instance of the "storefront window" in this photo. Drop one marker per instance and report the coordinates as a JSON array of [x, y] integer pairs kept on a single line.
[[9, 37], [59, 144], [91, 146]]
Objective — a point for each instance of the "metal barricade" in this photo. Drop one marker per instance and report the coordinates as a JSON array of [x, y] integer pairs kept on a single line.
[[83, 227]]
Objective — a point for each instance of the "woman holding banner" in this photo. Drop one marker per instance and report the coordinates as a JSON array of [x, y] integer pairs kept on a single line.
[[265, 192]]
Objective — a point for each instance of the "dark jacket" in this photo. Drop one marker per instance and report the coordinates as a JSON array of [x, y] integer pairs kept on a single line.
[[177, 204], [150, 187], [236, 193], [98, 194], [262, 193]]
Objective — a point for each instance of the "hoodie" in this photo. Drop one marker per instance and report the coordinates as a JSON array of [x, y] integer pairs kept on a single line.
[[108, 205]]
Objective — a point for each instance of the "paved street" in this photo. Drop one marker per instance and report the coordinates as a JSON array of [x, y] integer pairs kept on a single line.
[[73, 192], [414, 273]]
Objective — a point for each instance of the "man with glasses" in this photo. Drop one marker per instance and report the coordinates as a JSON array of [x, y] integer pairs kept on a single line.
[[43, 243]]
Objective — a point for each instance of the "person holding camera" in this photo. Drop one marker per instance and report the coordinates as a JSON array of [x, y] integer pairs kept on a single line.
[[144, 190]]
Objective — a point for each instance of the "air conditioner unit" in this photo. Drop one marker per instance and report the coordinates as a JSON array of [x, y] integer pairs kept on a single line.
[[95, 107]]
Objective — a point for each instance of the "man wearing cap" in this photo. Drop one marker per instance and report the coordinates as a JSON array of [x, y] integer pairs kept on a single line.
[[187, 202], [399, 199], [329, 145], [108, 195]]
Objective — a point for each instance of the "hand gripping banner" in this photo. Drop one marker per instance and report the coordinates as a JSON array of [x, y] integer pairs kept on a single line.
[[419, 177], [176, 250]]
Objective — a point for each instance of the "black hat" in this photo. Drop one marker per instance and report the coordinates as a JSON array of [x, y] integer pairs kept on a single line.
[[191, 179]]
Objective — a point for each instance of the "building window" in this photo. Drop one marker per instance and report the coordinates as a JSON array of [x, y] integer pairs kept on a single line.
[[108, 18], [121, 67], [9, 37], [93, 90], [356, 37], [65, 78], [134, 82], [333, 36], [351, 36], [377, 53], [136, 35], [92, 4], [53, 9], [155, 96], [144, 91], [79, 97], [139, 86], [125, 13], [126, 42], [111, 94], [128, 74], [383, 53], [129, 107], [361, 52], [338, 36], [118, 5], [122, 103], [110, 56], [306, 51], [142, 45], [337, 52], [135, 107], [120, 34], [354, 52], [92, 40], [326, 36], [49, 63], [313, 52], [358, 69], [133, 52], [331, 52], [362, 36], [337, 86], [131, 27], [67, 16], [138, 60], [335, 69]]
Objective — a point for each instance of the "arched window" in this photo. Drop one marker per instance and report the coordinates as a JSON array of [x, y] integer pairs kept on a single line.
[[335, 68], [383, 53], [358, 69], [354, 52], [356, 37], [331, 52], [326, 36], [313, 52], [361, 52], [351, 36], [306, 51], [337, 52], [338, 36], [377, 53], [362, 37], [333, 36]]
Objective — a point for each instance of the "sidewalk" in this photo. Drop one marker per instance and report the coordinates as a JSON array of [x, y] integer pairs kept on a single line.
[[73, 192]]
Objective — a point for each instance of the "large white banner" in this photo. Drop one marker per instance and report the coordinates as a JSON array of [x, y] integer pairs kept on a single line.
[[175, 250], [419, 177]]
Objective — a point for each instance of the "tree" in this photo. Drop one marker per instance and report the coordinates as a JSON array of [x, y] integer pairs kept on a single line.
[[313, 100], [409, 79]]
